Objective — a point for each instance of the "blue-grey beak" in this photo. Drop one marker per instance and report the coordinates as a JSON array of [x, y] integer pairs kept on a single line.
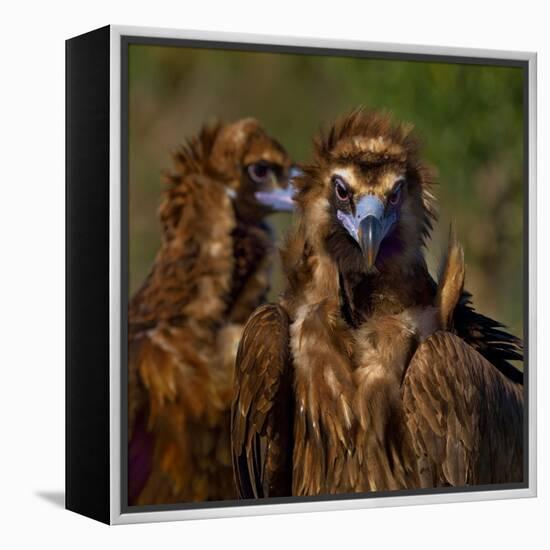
[[368, 226], [280, 200]]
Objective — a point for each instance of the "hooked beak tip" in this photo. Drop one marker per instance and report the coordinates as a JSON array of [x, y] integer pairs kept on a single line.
[[279, 200], [370, 236], [294, 172], [370, 257]]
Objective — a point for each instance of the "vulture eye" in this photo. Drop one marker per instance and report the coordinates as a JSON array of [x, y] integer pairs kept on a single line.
[[395, 195], [340, 189], [260, 172]]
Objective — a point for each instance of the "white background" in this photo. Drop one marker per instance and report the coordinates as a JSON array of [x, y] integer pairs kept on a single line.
[[32, 272]]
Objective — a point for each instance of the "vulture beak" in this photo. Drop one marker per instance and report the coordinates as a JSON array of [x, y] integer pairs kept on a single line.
[[368, 226], [279, 199]]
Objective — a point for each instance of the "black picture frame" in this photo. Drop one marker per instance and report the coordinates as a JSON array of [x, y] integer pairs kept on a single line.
[[96, 154]]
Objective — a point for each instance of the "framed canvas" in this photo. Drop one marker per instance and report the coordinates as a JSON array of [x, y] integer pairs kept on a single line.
[[386, 355]]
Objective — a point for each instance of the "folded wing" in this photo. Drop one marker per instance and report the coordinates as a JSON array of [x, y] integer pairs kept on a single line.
[[262, 408], [464, 415]]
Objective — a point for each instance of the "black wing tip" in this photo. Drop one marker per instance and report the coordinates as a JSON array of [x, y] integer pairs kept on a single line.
[[490, 338]]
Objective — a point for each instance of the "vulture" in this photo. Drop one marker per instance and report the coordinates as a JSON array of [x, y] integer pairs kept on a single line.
[[368, 375], [210, 273]]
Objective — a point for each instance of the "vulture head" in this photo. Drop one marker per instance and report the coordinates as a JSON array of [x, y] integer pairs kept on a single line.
[[252, 166], [365, 199], [256, 167]]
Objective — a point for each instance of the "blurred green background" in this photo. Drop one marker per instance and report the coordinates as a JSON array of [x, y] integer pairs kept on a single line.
[[469, 117]]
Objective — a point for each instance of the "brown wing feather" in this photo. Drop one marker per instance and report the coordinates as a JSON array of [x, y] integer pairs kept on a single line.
[[179, 390], [179, 441], [465, 417], [262, 407]]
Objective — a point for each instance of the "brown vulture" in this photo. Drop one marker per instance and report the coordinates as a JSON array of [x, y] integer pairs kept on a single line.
[[368, 375], [211, 272]]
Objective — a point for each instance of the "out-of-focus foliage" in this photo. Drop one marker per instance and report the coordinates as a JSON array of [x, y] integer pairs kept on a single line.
[[470, 118]]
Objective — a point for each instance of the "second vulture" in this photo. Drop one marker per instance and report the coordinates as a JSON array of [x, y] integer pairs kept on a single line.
[[368, 375], [210, 273]]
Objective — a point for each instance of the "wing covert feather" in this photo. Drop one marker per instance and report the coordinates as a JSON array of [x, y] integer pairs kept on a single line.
[[464, 415], [262, 411]]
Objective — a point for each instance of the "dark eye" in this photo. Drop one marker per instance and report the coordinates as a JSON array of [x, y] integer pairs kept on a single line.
[[340, 188], [395, 195], [259, 172]]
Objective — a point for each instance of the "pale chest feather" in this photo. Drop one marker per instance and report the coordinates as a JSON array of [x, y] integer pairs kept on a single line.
[[347, 385]]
